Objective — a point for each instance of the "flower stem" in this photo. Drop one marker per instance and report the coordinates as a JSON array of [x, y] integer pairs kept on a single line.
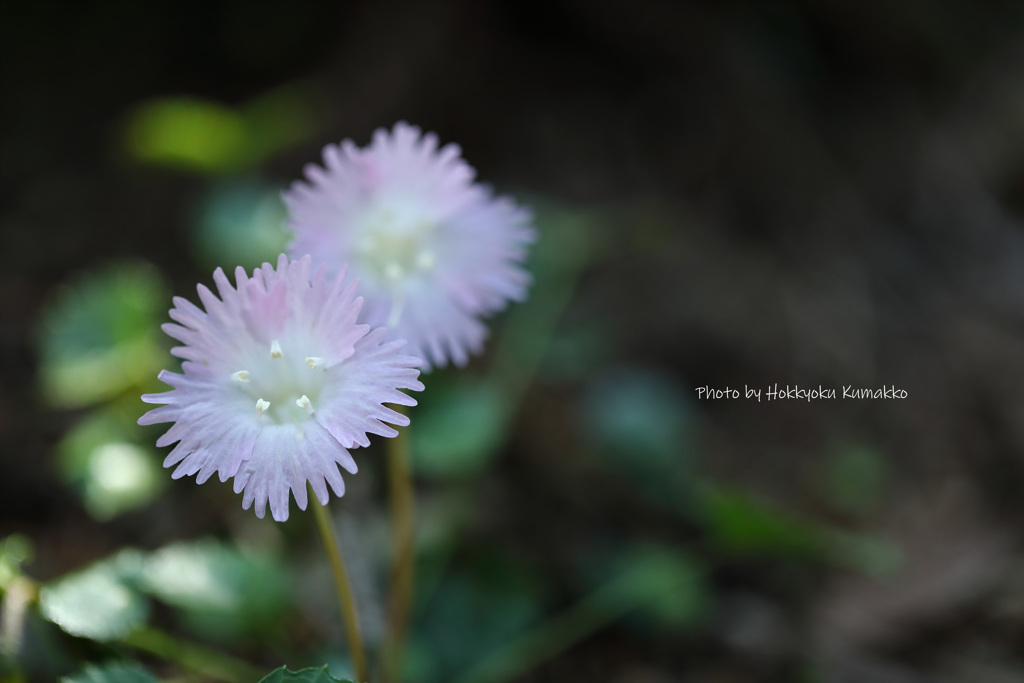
[[341, 582], [402, 515]]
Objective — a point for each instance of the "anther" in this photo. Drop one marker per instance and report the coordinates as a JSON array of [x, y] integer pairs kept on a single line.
[[275, 349], [262, 406], [313, 362], [425, 260], [240, 376], [304, 403]]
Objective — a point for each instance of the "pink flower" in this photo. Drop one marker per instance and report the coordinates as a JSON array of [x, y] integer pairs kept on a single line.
[[278, 383], [434, 251]]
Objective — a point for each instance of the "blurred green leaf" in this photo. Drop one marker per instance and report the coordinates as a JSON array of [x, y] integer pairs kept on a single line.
[[310, 675], [240, 222], [102, 459], [99, 602], [567, 240], [208, 137], [458, 428], [279, 119], [669, 584], [101, 336], [188, 133], [222, 592], [576, 355], [867, 554], [742, 525], [475, 612], [116, 672], [639, 421], [856, 478], [642, 577], [15, 550]]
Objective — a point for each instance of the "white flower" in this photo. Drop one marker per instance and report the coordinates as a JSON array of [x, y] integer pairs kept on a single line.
[[279, 382], [434, 251]]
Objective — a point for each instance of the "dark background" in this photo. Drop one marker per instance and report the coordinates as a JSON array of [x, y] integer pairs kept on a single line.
[[812, 193]]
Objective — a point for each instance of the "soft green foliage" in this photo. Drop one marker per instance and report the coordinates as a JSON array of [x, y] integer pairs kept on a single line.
[[638, 421], [856, 477], [568, 240], [208, 137], [103, 459], [115, 672], [221, 592], [100, 602], [867, 554], [669, 584], [742, 525], [187, 132], [239, 222], [644, 577], [15, 550], [101, 336], [308, 675], [459, 426], [473, 613]]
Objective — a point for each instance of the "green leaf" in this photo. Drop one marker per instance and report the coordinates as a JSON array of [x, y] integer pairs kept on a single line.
[[857, 476], [309, 675], [458, 428], [115, 672], [188, 133], [200, 135], [867, 554], [240, 222], [475, 612], [99, 602], [103, 460], [101, 336], [670, 584], [742, 525], [222, 592], [279, 119], [638, 421], [15, 550], [568, 239]]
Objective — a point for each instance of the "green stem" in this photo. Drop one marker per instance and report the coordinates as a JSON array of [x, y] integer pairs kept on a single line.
[[402, 515], [191, 656], [341, 582]]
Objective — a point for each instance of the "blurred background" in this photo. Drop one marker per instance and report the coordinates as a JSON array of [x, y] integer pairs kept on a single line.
[[727, 194]]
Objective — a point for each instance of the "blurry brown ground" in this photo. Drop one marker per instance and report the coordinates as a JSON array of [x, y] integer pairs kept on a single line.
[[816, 193]]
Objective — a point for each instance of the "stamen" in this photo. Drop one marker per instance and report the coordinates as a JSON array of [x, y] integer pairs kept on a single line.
[[393, 271], [240, 376], [313, 362], [305, 404], [262, 406], [275, 349], [425, 260]]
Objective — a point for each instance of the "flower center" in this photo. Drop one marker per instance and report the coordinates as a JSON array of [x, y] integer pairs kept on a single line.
[[284, 387], [395, 247]]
